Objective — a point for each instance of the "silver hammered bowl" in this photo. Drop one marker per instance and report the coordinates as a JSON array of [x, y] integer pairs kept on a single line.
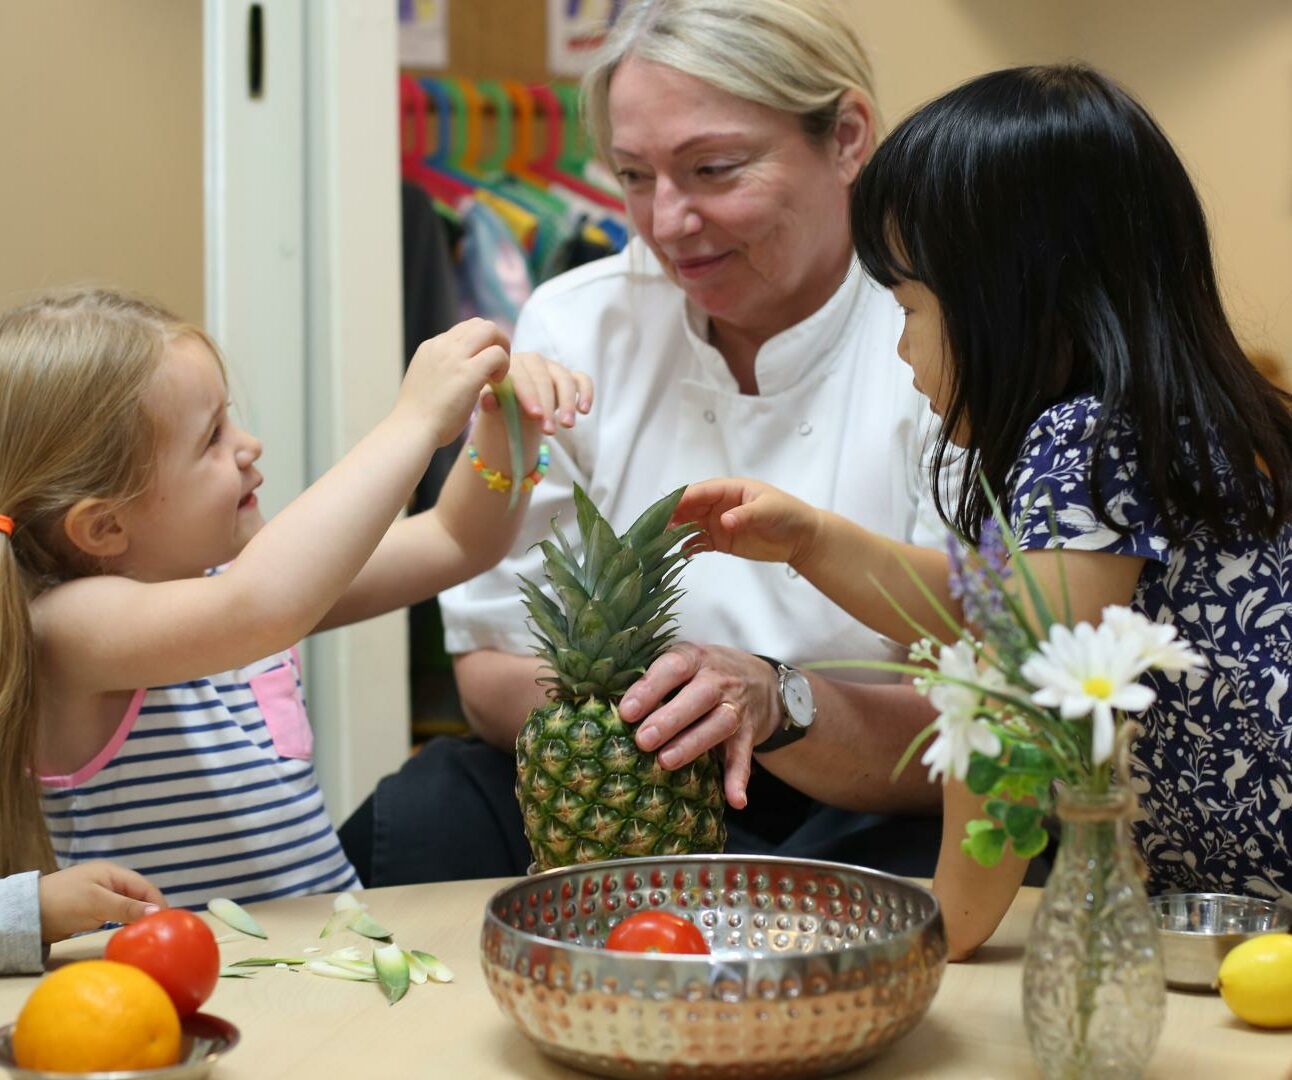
[[814, 966]]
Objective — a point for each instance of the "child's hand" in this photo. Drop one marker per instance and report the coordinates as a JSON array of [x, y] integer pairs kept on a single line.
[[545, 391], [447, 373], [749, 519], [85, 896]]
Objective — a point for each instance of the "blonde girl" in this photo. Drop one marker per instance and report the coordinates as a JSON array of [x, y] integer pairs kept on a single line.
[[123, 481]]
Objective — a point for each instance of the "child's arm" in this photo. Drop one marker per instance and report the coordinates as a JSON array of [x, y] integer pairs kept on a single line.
[[974, 898], [470, 528], [106, 633], [20, 941], [847, 563], [863, 572]]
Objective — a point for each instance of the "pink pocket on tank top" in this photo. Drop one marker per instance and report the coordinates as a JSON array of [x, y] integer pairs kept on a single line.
[[284, 713]]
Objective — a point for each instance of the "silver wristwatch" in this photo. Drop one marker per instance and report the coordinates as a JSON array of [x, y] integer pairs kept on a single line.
[[798, 707]]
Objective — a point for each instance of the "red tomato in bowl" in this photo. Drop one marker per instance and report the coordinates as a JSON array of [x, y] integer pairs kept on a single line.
[[657, 931], [177, 949]]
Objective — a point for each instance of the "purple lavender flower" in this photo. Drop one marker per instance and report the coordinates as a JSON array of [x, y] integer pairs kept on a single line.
[[975, 579], [991, 546], [956, 576]]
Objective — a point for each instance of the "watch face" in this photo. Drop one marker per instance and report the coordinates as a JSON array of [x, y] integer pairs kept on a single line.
[[797, 694]]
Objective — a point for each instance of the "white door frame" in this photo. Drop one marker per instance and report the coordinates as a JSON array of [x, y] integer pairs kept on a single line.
[[303, 292]]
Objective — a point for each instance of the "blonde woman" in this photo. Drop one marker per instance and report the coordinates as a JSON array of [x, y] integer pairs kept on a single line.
[[152, 707], [740, 335]]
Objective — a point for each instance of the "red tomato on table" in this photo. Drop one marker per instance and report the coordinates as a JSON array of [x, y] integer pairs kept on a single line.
[[177, 949], [657, 931]]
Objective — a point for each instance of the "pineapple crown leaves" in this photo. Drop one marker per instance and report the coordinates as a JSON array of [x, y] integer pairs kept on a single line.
[[615, 606]]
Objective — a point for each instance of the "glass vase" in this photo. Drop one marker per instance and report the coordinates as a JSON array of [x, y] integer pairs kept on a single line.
[[1094, 995]]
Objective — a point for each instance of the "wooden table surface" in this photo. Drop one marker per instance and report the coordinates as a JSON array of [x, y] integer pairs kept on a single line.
[[301, 1025]]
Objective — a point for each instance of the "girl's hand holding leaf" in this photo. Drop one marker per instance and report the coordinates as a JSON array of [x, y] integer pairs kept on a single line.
[[543, 390], [536, 389], [448, 372]]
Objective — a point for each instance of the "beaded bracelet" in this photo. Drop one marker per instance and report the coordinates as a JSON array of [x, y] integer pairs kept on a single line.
[[497, 481]]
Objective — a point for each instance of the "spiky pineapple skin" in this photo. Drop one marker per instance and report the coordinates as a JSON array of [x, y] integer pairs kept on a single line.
[[588, 793]]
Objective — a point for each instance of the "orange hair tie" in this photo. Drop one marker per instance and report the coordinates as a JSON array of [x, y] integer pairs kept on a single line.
[[6, 525]]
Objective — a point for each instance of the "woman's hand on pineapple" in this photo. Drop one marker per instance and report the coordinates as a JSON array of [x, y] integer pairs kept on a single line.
[[750, 519], [723, 696], [547, 392]]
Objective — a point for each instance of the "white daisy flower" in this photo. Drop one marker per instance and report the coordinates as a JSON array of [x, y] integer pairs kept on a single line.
[[1089, 672], [958, 661], [1153, 643], [958, 737], [959, 731]]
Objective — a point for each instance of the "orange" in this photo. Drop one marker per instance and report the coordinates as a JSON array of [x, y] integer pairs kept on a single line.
[[96, 1015]]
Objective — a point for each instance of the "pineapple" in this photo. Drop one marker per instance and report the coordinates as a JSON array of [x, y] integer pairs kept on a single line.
[[586, 791]]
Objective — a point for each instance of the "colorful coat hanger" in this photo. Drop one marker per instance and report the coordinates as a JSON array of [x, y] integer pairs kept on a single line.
[[545, 165], [493, 95], [539, 223], [413, 153]]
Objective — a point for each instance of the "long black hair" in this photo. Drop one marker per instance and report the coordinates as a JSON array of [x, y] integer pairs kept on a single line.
[[1060, 233]]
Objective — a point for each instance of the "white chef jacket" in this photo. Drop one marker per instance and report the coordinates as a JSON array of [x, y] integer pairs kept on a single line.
[[836, 422]]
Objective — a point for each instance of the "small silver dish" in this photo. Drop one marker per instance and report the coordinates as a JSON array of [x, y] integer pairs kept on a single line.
[[204, 1039], [1197, 930]]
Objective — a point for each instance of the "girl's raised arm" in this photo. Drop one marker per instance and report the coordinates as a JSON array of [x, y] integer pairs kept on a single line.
[[111, 632], [869, 575], [850, 565], [472, 524]]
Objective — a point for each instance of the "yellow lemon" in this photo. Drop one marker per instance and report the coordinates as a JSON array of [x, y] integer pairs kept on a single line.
[[1256, 980]]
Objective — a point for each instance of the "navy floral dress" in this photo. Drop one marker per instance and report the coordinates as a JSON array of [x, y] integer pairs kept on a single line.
[[1213, 769]]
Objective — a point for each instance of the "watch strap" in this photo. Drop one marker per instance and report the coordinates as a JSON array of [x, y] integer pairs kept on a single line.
[[788, 732]]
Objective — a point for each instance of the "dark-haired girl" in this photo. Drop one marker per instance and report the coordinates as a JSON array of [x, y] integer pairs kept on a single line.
[[1063, 318]]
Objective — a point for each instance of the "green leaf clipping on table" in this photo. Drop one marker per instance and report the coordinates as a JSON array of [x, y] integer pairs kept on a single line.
[[395, 969], [436, 969], [392, 971], [236, 916]]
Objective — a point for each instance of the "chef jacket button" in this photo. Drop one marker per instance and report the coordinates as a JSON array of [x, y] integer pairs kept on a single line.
[[710, 416], [805, 428]]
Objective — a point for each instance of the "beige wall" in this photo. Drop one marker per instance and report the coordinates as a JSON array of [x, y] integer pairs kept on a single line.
[[101, 147], [1218, 77], [101, 104]]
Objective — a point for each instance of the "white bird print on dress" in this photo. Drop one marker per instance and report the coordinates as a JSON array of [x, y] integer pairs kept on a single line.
[[1234, 567]]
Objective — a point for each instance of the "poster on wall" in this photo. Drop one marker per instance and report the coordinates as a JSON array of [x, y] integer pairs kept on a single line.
[[575, 29], [424, 33]]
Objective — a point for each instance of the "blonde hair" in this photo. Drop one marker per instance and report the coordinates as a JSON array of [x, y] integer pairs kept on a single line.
[[74, 370], [800, 56]]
